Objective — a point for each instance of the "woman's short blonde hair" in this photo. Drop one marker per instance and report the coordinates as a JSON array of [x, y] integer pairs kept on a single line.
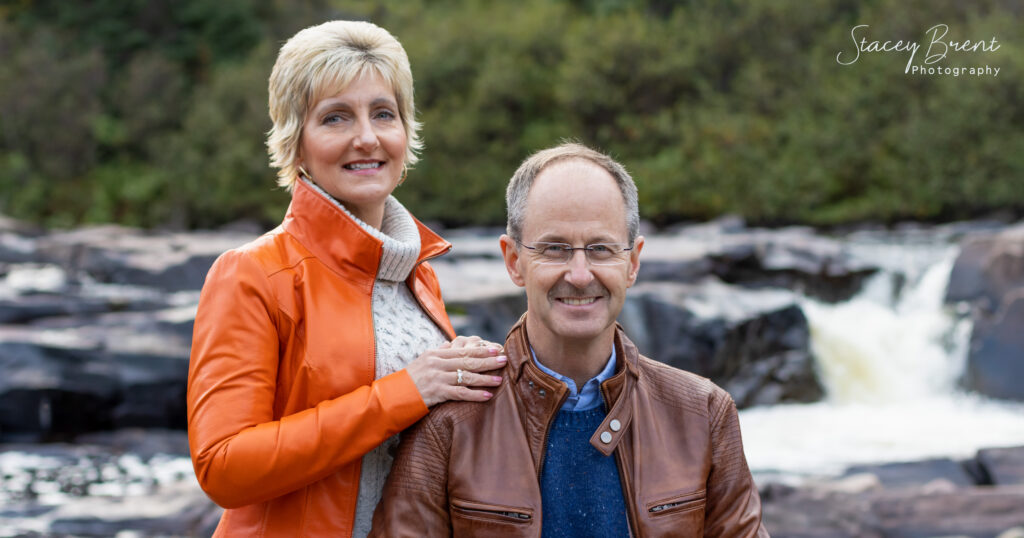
[[322, 60]]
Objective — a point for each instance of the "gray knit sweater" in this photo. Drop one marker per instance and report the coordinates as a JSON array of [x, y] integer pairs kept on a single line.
[[402, 331]]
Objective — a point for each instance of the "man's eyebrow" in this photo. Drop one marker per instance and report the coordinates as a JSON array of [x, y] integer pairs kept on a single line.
[[592, 241]]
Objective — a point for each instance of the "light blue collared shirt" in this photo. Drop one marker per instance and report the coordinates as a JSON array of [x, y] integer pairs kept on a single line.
[[590, 396]]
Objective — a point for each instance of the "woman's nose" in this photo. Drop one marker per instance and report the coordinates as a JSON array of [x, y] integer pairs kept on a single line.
[[366, 137]]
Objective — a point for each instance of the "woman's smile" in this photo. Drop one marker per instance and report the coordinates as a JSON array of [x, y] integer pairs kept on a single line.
[[354, 145]]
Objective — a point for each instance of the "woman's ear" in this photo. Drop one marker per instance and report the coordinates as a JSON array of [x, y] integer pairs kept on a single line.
[[510, 253]]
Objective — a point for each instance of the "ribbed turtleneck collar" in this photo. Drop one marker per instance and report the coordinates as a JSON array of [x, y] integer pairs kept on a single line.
[[398, 235]]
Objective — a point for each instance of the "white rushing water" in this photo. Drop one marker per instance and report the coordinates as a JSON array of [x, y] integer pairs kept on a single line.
[[890, 360]]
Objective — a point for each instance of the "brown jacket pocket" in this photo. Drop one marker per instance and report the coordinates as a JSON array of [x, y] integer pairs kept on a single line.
[[472, 518], [687, 502]]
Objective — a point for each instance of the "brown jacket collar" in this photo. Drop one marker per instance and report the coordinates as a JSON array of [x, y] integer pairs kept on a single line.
[[543, 395], [340, 242]]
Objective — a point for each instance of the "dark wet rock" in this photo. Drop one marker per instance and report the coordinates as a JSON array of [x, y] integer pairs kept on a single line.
[[34, 291], [755, 344], [1003, 466], [118, 370], [967, 280], [490, 318], [16, 248], [989, 274], [917, 473], [792, 258], [27, 308], [977, 512], [995, 364], [912, 499], [118, 255], [988, 268], [683, 270]]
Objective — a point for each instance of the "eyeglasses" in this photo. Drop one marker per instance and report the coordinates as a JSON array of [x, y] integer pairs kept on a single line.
[[560, 253]]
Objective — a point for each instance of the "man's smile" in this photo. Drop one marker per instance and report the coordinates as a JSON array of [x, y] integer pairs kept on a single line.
[[577, 301]]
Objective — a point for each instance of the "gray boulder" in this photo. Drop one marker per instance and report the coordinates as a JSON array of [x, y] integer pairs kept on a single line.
[[119, 255], [72, 376], [988, 268], [989, 274], [907, 499], [917, 473], [1003, 466], [753, 343], [795, 258], [995, 365]]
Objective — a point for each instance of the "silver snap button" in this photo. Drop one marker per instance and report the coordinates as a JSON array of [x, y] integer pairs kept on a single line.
[[606, 437], [615, 425], [542, 392]]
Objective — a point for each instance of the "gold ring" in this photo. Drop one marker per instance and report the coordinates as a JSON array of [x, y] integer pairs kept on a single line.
[[458, 379]]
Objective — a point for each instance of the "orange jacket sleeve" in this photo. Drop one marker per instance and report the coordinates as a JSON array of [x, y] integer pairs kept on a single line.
[[243, 451]]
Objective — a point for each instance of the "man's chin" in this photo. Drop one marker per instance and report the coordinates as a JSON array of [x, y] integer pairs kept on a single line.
[[581, 329]]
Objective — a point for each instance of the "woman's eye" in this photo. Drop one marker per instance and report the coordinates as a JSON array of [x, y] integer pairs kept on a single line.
[[385, 115], [331, 118]]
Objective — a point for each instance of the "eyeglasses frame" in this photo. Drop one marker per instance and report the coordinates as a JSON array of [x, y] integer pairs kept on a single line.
[[572, 251]]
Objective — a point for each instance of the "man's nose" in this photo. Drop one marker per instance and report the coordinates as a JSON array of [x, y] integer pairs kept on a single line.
[[579, 273]]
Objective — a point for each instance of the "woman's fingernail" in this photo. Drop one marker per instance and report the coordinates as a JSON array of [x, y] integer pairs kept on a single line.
[[487, 394], [496, 378], [501, 359], [495, 350]]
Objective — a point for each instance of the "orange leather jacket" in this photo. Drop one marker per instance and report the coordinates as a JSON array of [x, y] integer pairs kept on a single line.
[[282, 401], [473, 469]]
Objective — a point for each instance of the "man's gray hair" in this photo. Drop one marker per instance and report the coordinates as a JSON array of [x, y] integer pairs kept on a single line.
[[522, 180]]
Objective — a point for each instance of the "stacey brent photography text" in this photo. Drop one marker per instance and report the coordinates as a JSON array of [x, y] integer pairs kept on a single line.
[[937, 48]]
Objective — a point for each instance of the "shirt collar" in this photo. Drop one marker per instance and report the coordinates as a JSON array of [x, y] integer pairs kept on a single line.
[[590, 396]]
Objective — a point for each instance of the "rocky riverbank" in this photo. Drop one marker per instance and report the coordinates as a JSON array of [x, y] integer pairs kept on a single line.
[[135, 482], [95, 324], [95, 329], [981, 497], [140, 483]]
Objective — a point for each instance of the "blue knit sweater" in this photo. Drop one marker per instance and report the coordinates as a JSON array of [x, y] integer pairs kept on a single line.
[[580, 490]]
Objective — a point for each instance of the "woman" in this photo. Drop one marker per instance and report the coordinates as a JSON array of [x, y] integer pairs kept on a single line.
[[324, 338]]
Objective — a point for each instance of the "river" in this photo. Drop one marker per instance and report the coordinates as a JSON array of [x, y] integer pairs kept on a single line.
[[890, 359]]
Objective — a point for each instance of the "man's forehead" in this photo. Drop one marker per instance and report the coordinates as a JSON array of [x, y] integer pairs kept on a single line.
[[573, 178], [575, 198]]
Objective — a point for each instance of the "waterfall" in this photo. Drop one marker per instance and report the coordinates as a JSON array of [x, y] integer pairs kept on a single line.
[[890, 359], [885, 345]]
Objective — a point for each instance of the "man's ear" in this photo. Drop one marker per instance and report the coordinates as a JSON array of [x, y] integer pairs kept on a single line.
[[634, 260], [510, 253]]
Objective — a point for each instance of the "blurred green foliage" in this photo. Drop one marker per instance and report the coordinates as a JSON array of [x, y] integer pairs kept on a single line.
[[153, 112]]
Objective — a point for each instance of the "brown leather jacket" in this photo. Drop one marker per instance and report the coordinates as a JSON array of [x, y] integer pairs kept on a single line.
[[473, 469], [282, 401]]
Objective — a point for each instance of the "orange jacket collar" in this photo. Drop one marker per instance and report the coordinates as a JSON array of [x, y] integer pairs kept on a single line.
[[340, 242]]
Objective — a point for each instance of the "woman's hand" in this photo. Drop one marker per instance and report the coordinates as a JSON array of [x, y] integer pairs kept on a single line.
[[438, 372]]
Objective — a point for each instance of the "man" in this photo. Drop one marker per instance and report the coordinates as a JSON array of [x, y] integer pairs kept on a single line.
[[584, 437]]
